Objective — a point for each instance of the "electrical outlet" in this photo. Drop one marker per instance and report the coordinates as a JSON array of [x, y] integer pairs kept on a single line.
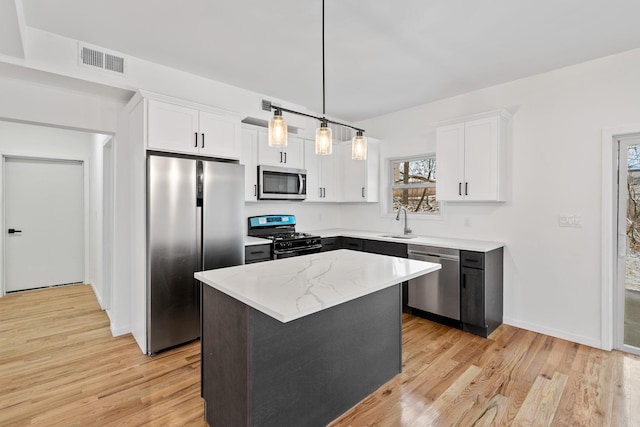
[[570, 221]]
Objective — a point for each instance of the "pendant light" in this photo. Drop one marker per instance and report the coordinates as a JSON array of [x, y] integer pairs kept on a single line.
[[359, 146], [324, 141], [277, 130]]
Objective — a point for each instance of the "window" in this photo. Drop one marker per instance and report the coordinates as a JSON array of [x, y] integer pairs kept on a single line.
[[413, 184]]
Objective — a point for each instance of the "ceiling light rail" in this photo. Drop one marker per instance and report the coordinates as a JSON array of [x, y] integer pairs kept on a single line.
[[278, 132]]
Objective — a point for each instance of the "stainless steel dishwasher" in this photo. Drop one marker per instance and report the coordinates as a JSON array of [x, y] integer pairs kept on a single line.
[[437, 292]]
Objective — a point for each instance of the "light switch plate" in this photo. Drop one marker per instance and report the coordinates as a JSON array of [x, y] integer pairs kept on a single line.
[[570, 221]]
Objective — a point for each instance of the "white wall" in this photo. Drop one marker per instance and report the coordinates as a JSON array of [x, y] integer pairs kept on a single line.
[[552, 274], [309, 216], [17, 139]]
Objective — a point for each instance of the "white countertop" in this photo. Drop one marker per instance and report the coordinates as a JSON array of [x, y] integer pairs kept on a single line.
[[253, 241], [291, 288], [442, 242]]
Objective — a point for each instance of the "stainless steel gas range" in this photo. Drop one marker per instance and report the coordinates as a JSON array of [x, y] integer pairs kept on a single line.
[[281, 230]]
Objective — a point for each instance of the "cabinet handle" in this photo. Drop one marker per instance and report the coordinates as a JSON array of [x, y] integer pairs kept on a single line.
[[202, 146], [255, 189], [363, 192], [281, 157], [256, 252], [324, 192], [459, 189], [466, 188], [196, 143], [320, 191], [285, 157]]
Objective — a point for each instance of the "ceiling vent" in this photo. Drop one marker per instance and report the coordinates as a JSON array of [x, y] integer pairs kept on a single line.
[[95, 57]]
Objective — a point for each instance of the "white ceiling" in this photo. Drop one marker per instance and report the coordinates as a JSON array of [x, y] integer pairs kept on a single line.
[[381, 56]]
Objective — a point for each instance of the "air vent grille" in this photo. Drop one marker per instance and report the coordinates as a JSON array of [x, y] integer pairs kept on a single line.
[[97, 58], [114, 63], [266, 105]]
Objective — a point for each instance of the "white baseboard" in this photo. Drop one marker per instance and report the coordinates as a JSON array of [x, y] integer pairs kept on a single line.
[[580, 339], [97, 294]]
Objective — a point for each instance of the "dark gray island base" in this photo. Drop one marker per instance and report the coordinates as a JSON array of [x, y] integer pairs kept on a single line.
[[258, 371]]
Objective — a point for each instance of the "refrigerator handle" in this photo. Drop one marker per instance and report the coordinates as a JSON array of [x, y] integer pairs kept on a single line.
[[199, 253]]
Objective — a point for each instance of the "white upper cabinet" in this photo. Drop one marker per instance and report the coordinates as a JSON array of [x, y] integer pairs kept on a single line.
[[291, 156], [219, 135], [249, 158], [322, 182], [181, 129], [470, 159], [360, 178], [172, 127]]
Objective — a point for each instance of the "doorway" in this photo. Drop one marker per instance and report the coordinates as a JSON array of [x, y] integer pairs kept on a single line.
[[44, 217], [628, 232]]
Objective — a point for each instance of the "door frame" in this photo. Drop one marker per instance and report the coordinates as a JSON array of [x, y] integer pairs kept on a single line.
[[85, 195], [612, 310], [108, 219]]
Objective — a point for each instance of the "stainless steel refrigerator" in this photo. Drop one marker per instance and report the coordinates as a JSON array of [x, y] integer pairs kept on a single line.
[[194, 222]]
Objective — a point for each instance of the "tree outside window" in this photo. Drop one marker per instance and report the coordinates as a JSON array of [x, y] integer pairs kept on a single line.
[[413, 184]]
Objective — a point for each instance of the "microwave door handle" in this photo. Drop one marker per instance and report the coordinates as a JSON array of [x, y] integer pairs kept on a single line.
[[301, 182]]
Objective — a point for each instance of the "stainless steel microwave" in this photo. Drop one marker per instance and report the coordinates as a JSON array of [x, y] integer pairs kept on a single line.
[[276, 183]]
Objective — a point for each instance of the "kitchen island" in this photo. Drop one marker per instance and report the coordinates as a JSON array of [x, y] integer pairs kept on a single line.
[[298, 341]]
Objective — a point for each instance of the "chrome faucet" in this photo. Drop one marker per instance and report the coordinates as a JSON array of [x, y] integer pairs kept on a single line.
[[407, 230]]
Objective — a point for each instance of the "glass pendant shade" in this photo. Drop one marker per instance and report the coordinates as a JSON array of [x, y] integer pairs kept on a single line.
[[277, 130], [324, 144], [359, 147]]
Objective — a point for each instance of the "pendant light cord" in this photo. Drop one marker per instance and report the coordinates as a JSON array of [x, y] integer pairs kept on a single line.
[[323, 80]]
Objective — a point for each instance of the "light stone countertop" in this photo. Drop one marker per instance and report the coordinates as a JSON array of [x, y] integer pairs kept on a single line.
[[291, 288], [442, 242], [253, 241]]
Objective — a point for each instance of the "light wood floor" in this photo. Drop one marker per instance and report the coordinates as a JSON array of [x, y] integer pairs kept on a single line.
[[59, 366]]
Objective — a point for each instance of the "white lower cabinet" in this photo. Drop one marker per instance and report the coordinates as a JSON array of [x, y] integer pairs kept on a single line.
[[471, 159], [322, 176]]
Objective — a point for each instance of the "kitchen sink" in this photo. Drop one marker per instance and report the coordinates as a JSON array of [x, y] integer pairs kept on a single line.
[[398, 236]]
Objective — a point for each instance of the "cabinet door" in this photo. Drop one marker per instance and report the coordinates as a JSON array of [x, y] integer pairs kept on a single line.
[[354, 176], [249, 158], [312, 165], [472, 296], [172, 128], [481, 159], [268, 155], [331, 191], [385, 248], [450, 162], [351, 243], [294, 153], [219, 135], [329, 244]]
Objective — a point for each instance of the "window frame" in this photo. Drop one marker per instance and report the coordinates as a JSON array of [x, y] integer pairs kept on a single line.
[[392, 186]]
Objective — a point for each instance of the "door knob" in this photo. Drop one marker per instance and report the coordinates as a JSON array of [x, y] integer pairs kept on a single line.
[[13, 231]]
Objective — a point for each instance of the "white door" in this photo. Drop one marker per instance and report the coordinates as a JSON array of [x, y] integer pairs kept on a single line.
[[354, 176], [173, 127], [481, 159], [44, 207], [450, 162], [219, 135]]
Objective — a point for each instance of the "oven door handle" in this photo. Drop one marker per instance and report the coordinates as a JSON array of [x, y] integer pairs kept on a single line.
[[307, 248]]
